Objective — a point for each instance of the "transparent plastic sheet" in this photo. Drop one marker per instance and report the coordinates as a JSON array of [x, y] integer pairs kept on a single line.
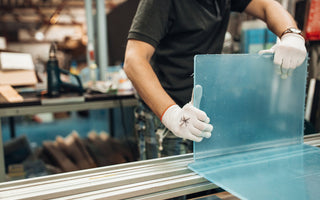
[[256, 150]]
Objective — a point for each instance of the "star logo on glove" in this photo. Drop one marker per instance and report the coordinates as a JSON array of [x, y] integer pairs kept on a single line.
[[184, 121]]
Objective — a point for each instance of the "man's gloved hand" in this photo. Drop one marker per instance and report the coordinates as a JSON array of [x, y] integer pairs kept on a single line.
[[188, 122], [289, 52]]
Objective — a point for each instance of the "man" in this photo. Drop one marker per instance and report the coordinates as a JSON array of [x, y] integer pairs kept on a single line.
[[163, 39]]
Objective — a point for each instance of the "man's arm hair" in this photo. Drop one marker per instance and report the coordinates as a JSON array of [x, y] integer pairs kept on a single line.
[[276, 17], [139, 71]]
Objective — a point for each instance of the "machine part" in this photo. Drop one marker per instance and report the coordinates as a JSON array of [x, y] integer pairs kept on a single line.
[[54, 85], [161, 134], [145, 129]]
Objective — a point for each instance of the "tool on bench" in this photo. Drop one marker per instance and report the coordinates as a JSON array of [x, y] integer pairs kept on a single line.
[[54, 84]]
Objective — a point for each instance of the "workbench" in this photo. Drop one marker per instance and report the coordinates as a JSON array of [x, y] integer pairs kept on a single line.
[[160, 178], [32, 104]]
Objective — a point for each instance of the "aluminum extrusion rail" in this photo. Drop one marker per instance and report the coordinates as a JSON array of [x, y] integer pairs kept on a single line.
[[151, 179], [160, 178]]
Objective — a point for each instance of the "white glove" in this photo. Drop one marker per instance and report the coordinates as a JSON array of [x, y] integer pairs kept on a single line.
[[290, 52], [188, 122]]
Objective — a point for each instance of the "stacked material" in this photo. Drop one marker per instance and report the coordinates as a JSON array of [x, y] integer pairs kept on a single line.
[[72, 153]]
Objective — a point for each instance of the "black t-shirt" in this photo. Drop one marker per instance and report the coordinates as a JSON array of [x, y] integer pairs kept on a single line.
[[180, 29]]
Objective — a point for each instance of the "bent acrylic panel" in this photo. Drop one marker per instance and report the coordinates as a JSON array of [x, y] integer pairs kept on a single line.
[[256, 150]]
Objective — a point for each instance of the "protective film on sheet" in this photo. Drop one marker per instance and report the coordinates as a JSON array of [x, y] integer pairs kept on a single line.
[[256, 150]]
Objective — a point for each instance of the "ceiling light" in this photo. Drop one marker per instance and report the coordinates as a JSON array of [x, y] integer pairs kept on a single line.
[[39, 36]]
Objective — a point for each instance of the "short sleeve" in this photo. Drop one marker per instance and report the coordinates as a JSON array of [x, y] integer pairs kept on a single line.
[[239, 5], [150, 23]]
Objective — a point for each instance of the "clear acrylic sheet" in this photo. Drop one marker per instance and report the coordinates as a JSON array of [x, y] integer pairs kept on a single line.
[[256, 150]]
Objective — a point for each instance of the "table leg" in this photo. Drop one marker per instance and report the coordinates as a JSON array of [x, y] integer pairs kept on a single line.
[[12, 127], [111, 120], [2, 165]]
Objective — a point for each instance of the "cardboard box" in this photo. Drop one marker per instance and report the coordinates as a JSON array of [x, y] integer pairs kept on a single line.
[[17, 69], [8, 94], [18, 77], [3, 43], [13, 61]]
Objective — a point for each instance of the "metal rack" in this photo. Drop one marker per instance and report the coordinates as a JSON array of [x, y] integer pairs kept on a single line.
[[33, 106]]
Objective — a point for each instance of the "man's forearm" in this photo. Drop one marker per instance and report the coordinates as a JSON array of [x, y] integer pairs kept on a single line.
[[150, 89], [275, 16], [290, 51], [142, 76]]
